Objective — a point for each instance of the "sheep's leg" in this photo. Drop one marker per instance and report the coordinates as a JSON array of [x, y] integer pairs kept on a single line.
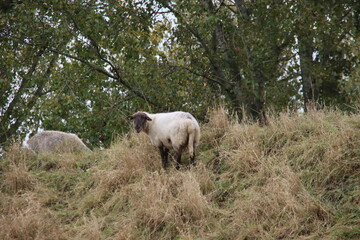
[[166, 157], [178, 159], [164, 152], [192, 159], [191, 147]]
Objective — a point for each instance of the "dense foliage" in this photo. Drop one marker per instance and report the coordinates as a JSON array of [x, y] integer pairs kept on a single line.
[[82, 66]]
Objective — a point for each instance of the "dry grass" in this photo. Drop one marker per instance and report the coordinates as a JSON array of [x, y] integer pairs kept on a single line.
[[23, 217], [296, 178], [16, 177]]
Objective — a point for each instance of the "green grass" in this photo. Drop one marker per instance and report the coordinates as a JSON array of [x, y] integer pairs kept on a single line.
[[296, 178]]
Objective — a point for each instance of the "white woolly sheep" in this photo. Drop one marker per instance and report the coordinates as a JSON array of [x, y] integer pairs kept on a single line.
[[56, 141], [173, 130]]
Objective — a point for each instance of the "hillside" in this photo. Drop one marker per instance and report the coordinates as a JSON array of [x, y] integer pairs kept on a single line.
[[297, 178]]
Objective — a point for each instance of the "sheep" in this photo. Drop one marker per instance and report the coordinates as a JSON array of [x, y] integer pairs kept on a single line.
[[172, 130], [56, 141]]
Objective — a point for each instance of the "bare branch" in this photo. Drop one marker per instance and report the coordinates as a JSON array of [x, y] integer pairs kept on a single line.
[[201, 75]]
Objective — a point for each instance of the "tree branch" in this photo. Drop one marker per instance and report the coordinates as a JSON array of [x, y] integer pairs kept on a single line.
[[17, 97], [201, 75], [210, 55], [96, 47], [193, 31], [11, 128]]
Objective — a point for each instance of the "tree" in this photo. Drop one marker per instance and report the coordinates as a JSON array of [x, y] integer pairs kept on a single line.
[[262, 54], [326, 32], [25, 70], [243, 44]]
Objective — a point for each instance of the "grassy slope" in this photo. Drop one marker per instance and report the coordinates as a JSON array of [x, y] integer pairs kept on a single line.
[[297, 178]]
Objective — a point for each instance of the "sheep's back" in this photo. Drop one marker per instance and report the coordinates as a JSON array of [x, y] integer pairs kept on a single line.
[[56, 141], [172, 129]]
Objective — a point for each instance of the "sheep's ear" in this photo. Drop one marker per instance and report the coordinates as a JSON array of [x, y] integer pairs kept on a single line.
[[130, 117], [149, 119]]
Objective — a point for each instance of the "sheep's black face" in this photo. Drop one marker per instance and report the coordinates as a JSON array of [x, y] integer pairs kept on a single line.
[[140, 119], [139, 123]]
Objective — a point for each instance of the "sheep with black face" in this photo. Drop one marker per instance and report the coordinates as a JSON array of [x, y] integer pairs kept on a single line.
[[173, 130]]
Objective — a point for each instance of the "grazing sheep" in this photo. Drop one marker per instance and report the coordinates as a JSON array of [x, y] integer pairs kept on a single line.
[[56, 141], [173, 130]]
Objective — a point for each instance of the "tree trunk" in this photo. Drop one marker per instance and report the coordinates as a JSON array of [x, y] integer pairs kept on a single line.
[[258, 105], [310, 90], [9, 130]]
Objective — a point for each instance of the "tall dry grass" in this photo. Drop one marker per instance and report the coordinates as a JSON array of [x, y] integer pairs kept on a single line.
[[16, 175], [296, 178]]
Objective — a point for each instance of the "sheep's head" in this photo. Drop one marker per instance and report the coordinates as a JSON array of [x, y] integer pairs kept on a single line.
[[139, 119]]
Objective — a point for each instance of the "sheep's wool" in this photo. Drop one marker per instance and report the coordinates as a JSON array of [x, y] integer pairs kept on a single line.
[[56, 141]]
